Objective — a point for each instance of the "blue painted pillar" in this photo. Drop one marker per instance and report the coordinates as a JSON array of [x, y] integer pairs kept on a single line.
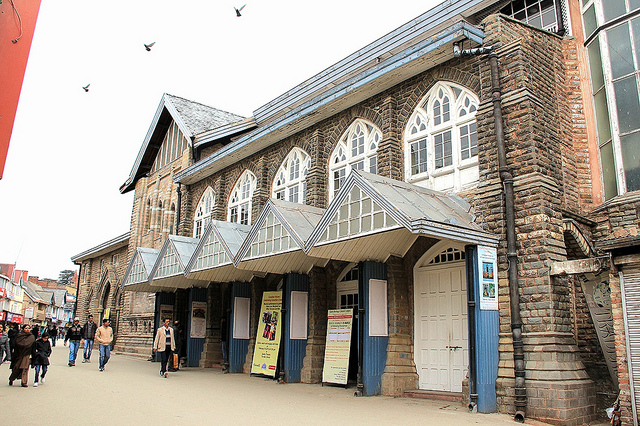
[[486, 340], [195, 345], [294, 349], [374, 348], [237, 347]]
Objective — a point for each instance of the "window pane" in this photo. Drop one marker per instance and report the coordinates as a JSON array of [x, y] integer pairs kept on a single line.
[[608, 171], [613, 9], [602, 116], [634, 4], [620, 51], [631, 159], [627, 103], [589, 19], [595, 65], [635, 26]]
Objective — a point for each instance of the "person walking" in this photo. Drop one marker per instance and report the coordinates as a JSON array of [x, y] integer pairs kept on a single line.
[[53, 335], [5, 351], [104, 337], [74, 337], [88, 334], [21, 355], [40, 357], [164, 343], [177, 334]]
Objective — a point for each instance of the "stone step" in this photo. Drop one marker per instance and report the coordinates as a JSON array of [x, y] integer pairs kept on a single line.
[[437, 395]]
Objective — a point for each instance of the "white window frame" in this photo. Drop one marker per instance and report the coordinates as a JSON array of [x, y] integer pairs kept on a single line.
[[203, 212], [422, 126], [240, 200], [356, 149], [291, 177]]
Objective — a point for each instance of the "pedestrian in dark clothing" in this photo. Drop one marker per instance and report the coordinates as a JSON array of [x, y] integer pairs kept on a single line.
[[74, 337], [35, 330], [20, 358], [177, 335], [40, 357], [5, 351], [53, 335], [12, 333], [88, 334]]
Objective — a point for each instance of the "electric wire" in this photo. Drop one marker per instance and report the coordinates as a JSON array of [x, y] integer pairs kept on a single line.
[[15, 40]]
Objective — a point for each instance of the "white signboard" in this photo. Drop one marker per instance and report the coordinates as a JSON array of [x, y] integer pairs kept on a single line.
[[198, 320], [241, 315], [488, 282], [378, 311], [299, 313]]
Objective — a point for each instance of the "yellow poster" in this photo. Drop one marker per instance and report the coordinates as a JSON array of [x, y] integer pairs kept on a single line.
[[336, 353], [265, 355]]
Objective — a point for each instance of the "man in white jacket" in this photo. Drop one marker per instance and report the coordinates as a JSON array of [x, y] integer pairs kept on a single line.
[[104, 337], [164, 343]]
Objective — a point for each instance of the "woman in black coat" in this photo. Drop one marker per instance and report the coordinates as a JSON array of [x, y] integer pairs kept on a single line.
[[21, 354]]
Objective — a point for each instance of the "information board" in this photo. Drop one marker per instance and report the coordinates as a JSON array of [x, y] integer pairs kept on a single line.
[[488, 267], [337, 347]]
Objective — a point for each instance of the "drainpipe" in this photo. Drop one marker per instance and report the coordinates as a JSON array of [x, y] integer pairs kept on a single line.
[[512, 257], [471, 319], [178, 202]]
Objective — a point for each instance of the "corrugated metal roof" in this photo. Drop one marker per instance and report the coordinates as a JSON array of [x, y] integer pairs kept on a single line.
[[99, 250]]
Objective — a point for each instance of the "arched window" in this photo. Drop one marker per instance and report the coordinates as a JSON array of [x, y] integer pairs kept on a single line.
[[357, 149], [147, 219], [203, 212], [290, 183], [240, 200], [441, 143], [173, 218], [160, 220]]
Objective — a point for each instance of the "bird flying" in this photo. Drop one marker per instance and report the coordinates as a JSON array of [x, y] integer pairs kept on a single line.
[[238, 10], [86, 88], [149, 46]]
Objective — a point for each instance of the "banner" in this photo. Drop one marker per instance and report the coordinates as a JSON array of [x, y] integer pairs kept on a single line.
[[265, 355], [488, 267], [107, 312], [337, 347], [198, 320]]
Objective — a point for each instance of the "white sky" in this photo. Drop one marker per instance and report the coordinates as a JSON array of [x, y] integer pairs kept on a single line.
[[70, 151]]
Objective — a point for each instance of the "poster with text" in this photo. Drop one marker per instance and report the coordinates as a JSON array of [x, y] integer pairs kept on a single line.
[[265, 355], [166, 311], [337, 347], [488, 266], [198, 320]]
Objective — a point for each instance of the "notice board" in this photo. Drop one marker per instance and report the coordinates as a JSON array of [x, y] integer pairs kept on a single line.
[[337, 347]]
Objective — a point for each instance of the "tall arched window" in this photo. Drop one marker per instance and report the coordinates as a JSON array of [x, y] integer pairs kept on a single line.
[[147, 218], [203, 212], [441, 144], [160, 220], [290, 183], [240, 201], [357, 149], [173, 218]]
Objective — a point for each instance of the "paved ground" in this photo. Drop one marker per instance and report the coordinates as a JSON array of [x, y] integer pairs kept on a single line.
[[130, 391]]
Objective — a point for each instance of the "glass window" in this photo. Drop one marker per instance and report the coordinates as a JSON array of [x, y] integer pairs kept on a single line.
[[203, 212], [595, 66], [608, 171], [356, 149], [290, 182], [628, 104], [620, 55], [631, 158], [590, 21], [539, 13], [613, 9], [240, 201], [442, 142]]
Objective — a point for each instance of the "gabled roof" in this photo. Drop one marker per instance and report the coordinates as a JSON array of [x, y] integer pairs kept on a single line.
[[213, 258], [31, 290], [191, 117], [140, 266], [277, 239], [387, 215], [168, 271]]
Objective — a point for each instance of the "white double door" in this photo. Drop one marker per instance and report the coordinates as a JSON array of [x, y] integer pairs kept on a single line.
[[441, 331]]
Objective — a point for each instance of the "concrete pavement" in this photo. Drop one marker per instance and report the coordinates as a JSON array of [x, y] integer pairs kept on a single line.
[[130, 391]]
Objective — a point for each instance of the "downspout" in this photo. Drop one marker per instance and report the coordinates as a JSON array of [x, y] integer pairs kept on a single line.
[[179, 202], [512, 256], [471, 319]]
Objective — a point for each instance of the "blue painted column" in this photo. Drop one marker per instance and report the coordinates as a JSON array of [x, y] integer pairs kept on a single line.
[[195, 345], [237, 347], [486, 339], [294, 349], [374, 348]]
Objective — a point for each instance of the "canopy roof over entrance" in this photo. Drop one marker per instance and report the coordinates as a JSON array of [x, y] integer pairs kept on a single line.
[[373, 217], [213, 258], [276, 241], [168, 272], [136, 278]]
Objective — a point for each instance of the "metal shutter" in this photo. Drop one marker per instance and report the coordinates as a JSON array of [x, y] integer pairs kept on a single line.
[[631, 295]]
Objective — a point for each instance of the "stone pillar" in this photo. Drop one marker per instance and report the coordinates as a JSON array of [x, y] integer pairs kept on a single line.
[[317, 183], [314, 358], [390, 149], [400, 371]]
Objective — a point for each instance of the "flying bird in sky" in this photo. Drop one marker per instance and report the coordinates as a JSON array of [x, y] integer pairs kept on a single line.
[[149, 46], [238, 11], [86, 88]]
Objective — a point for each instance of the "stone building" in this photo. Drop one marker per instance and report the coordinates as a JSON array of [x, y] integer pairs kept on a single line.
[[465, 184]]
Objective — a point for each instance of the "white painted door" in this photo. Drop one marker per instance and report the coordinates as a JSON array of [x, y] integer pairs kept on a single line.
[[441, 342]]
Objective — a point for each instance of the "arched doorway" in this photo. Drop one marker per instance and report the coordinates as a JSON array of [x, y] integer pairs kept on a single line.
[[104, 303], [441, 350]]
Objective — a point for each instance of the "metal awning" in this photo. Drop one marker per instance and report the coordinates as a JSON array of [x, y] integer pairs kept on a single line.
[[373, 217], [213, 258], [168, 273], [136, 278], [276, 241]]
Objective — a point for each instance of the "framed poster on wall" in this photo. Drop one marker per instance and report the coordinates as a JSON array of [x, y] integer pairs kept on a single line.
[[265, 354], [166, 311], [337, 346], [488, 282], [198, 320]]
